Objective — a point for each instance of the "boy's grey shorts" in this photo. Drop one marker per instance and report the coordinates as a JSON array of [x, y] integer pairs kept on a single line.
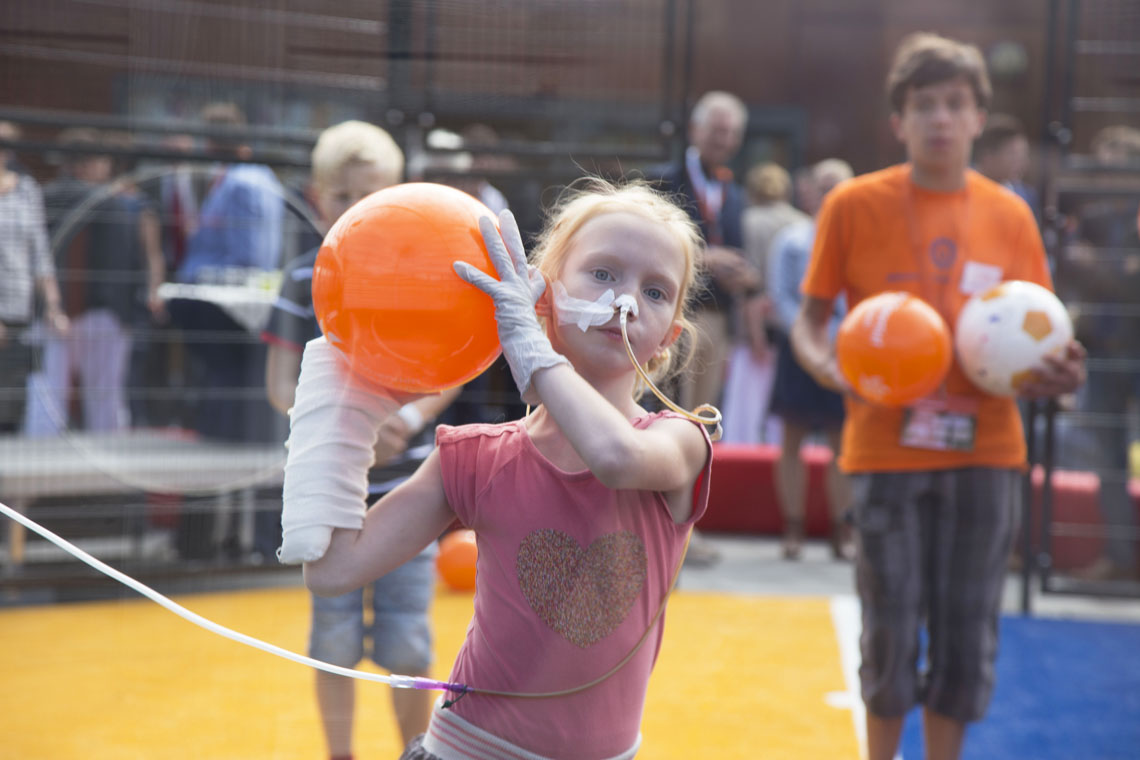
[[932, 550], [400, 632]]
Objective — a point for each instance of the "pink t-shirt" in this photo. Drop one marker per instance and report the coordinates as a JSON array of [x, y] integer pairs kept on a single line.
[[569, 576]]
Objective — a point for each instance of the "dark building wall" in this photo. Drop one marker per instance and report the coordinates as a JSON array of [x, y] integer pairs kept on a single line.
[[824, 57]]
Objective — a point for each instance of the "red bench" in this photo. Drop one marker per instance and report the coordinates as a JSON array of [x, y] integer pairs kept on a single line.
[[743, 500]]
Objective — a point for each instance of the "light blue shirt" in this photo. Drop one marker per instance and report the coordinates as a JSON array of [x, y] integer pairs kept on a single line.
[[787, 262], [240, 224]]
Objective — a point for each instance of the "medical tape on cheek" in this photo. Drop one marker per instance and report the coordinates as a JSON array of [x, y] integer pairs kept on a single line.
[[579, 311]]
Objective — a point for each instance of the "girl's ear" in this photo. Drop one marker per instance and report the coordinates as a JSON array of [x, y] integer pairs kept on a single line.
[[671, 338]]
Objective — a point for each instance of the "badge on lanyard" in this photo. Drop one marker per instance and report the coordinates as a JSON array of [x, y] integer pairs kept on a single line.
[[940, 424], [978, 278]]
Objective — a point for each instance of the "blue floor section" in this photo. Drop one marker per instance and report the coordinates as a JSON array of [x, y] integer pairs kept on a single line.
[[1066, 690]]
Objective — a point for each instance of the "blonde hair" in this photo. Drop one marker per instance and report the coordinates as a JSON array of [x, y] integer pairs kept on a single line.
[[768, 182], [356, 142], [1117, 141], [593, 197]]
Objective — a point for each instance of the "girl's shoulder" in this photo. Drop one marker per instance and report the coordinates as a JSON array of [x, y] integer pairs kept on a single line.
[[652, 418], [445, 434]]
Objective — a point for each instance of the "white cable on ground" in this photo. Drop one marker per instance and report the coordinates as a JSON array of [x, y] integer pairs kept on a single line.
[[395, 681]]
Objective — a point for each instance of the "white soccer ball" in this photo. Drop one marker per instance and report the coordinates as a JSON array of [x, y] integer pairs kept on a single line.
[[1004, 333]]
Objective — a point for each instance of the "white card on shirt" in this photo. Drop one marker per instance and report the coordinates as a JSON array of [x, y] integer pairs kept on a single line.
[[978, 278]]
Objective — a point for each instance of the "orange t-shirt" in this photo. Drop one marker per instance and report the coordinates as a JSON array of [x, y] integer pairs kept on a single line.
[[882, 232]]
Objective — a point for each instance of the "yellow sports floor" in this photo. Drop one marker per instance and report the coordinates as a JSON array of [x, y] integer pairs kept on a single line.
[[738, 677]]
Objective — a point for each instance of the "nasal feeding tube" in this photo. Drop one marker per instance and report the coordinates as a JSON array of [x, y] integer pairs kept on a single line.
[[586, 314]]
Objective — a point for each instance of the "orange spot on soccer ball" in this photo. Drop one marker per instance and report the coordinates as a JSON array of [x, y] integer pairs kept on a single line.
[[1019, 380], [1037, 324], [992, 293], [456, 560], [893, 348], [385, 293]]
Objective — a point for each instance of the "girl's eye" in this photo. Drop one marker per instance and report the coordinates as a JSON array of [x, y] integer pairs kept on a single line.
[[656, 294], [602, 275]]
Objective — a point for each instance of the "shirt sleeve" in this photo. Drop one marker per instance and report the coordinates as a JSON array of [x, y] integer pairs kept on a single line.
[[703, 482], [783, 276], [457, 461], [42, 264], [824, 276], [1032, 262], [254, 235], [291, 320], [704, 478]]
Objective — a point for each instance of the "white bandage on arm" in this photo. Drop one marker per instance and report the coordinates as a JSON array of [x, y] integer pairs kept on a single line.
[[332, 430]]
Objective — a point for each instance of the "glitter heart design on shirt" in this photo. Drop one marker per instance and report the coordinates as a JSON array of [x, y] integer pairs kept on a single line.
[[583, 594]]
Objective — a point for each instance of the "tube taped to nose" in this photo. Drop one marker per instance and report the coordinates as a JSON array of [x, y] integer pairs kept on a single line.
[[579, 311], [626, 303]]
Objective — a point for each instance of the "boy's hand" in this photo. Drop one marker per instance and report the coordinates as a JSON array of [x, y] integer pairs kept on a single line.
[[515, 293], [391, 440], [1058, 375]]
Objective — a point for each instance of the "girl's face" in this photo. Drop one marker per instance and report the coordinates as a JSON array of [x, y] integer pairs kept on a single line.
[[633, 256]]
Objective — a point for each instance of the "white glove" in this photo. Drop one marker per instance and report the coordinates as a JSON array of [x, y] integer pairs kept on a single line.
[[332, 427], [524, 341]]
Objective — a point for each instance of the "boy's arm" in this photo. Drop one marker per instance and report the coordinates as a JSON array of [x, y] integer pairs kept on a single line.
[[282, 366], [150, 239], [395, 529], [396, 431]]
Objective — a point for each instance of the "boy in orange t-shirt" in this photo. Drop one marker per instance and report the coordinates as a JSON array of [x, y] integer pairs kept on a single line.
[[934, 518]]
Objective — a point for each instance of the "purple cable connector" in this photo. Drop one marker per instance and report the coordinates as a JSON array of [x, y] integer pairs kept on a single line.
[[416, 682]]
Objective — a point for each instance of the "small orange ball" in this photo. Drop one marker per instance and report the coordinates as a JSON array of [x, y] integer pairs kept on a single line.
[[385, 293], [456, 560], [893, 348]]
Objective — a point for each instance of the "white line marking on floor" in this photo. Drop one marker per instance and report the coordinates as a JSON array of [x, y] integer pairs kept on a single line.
[[846, 618]]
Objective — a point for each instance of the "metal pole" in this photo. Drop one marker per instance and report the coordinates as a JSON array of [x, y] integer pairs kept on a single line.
[[1028, 558], [1045, 558]]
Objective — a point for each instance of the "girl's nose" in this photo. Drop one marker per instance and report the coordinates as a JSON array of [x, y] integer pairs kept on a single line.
[[626, 303]]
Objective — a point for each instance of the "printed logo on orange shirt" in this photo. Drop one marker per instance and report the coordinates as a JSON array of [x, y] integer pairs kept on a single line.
[[943, 252]]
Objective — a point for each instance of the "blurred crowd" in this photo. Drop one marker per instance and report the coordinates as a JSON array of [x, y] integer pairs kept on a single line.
[[93, 336]]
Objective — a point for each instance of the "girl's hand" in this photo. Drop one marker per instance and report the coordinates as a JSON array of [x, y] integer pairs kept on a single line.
[[515, 293]]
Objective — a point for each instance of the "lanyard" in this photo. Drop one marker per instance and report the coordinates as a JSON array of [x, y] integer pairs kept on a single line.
[[935, 278], [709, 195]]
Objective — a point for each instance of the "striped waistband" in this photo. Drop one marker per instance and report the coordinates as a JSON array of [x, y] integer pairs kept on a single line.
[[450, 737]]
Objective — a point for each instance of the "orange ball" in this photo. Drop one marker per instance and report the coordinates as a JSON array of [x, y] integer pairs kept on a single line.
[[385, 293], [456, 560], [893, 348]]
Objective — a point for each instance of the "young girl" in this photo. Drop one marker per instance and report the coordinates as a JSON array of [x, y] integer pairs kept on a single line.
[[582, 509]]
